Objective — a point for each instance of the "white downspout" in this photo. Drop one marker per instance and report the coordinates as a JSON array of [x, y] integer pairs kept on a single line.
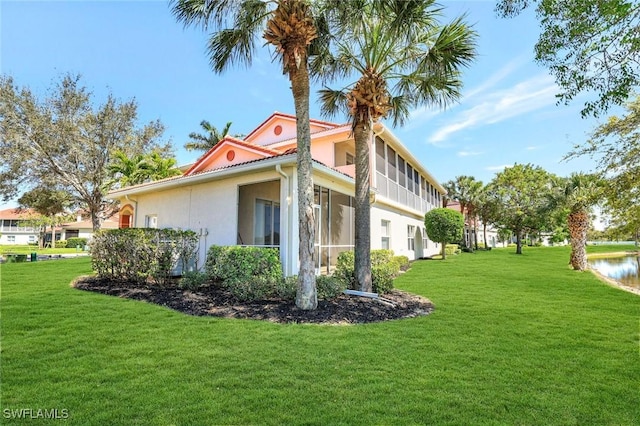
[[285, 255]]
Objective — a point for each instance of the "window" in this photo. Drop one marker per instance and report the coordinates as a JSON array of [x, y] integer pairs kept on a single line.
[[151, 221], [391, 162], [381, 165], [11, 239], [385, 234], [349, 160], [402, 176], [425, 239], [266, 230], [32, 239], [411, 237], [409, 178], [416, 182]]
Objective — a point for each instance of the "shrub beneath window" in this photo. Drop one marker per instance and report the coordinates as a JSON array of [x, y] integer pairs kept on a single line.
[[383, 270], [250, 273], [140, 254]]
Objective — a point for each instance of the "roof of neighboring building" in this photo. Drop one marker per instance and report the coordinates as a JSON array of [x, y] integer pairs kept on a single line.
[[15, 213]]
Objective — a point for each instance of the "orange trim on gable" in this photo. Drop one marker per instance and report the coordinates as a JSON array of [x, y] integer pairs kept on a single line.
[[213, 154], [327, 124]]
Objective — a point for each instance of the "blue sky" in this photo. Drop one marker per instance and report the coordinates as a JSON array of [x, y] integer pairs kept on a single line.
[[507, 114]]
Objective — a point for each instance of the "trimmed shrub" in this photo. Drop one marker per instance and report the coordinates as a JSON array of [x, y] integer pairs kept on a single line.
[[250, 273], [287, 287], [451, 249], [382, 276], [345, 269], [75, 242], [402, 262], [140, 254], [329, 287], [62, 244], [192, 280], [383, 270]]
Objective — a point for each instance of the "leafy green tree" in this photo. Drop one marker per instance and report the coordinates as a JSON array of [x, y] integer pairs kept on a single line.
[[289, 26], [204, 142], [50, 206], [63, 141], [521, 194], [401, 57], [444, 226], [588, 46]]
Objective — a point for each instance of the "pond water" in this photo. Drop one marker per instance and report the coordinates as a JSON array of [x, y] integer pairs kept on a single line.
[[625, 270]]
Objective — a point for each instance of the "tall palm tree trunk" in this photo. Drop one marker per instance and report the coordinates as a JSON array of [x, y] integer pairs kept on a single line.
[[306, 296], [363, 134], [578, 223]]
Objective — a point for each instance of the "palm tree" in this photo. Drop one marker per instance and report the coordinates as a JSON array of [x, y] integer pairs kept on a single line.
[[204, 142], [466, 191], [579, 194], [402, 57], [127, 171], [158, 167], [289, 26]]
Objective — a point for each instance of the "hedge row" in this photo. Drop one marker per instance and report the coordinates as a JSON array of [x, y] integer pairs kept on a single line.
[[253, 273], [140, 254]]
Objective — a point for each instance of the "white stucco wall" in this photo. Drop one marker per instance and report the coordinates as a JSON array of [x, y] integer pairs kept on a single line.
[[210, 209], [398, 223], [20, 238]]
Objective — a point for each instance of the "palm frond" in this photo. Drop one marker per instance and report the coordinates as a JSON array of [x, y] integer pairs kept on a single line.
[[400, 109], [332, 102]]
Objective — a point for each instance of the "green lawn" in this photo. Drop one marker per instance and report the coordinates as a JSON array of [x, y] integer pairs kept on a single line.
[[513, 340], [25, 249]]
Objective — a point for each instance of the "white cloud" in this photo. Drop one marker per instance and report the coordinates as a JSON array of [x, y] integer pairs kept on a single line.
[[532, 148], [493, 107], [422, 114], [469, 153]]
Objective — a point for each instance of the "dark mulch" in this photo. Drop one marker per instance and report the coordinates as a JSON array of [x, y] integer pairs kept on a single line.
[[212, 300]]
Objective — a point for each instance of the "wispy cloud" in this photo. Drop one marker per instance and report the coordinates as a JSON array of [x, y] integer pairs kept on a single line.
[[469, 153], [532, 148], [525, 97], [422, 114]]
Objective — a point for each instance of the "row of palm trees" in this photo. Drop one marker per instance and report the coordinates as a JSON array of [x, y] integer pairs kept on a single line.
[[392, 54]]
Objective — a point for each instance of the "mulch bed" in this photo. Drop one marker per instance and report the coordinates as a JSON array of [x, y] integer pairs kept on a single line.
[[213, 300]]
